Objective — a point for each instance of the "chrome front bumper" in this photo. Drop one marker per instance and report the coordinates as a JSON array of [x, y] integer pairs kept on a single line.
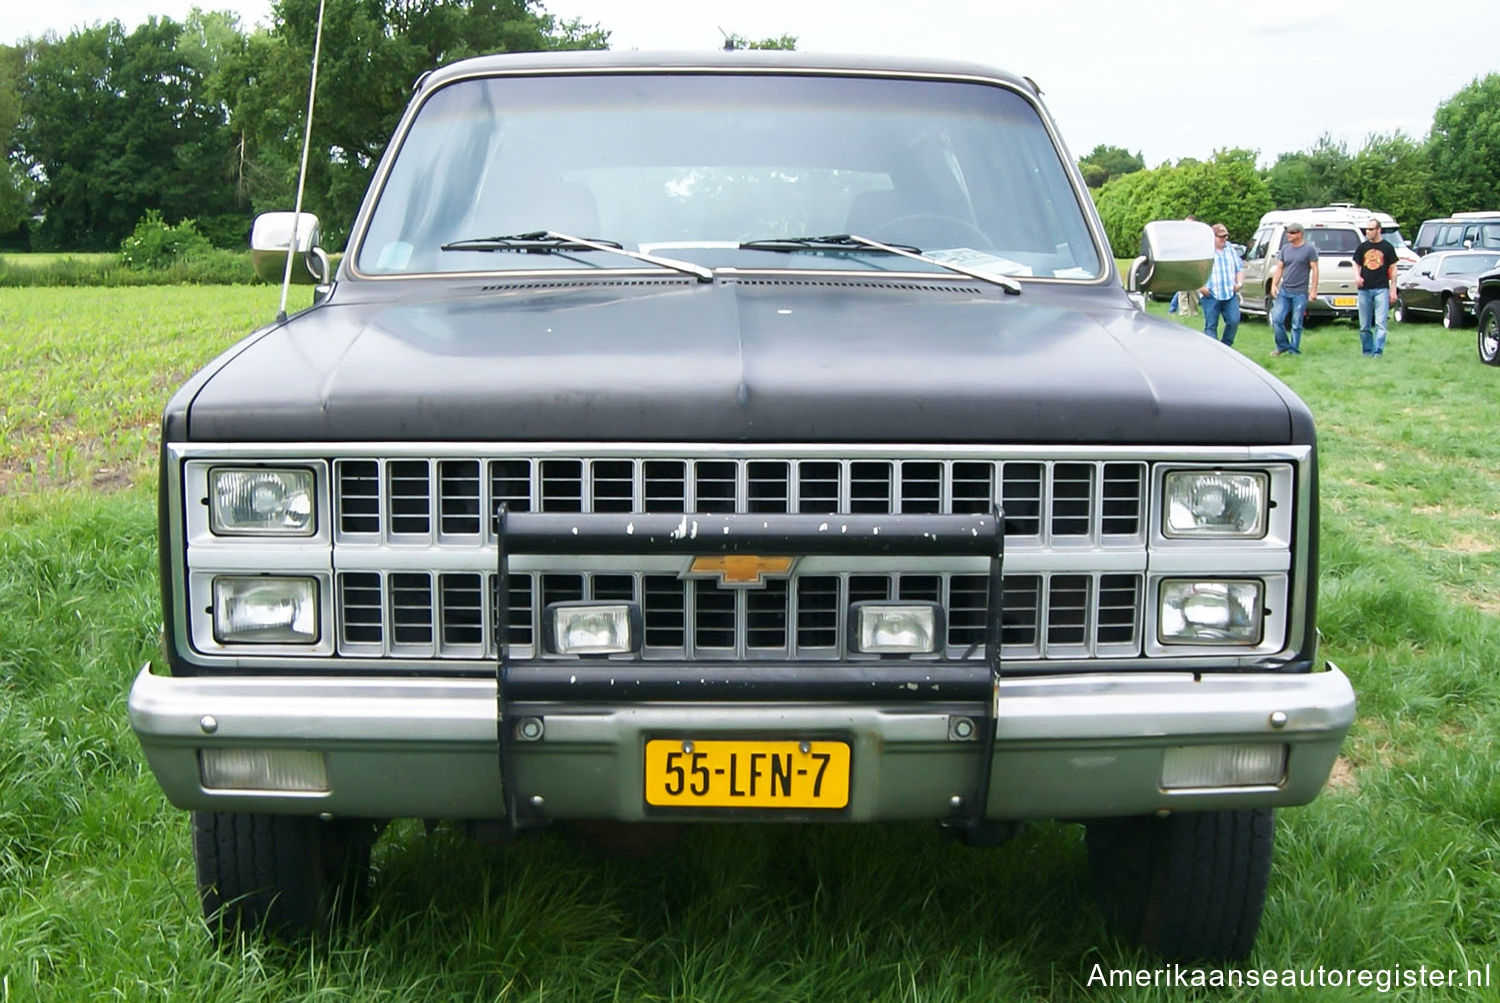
[[1066, 746]]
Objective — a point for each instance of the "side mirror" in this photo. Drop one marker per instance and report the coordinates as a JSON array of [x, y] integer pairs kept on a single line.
[[276, 233], [1176, 254]]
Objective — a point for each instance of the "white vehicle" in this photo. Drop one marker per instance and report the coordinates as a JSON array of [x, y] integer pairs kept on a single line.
[[1335, 230]]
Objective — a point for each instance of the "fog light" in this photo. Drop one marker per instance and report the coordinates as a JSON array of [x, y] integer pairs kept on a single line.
[[588, 628], [1223, 766], [299, 771], [265, 610], [895, 627], [1210, 612]]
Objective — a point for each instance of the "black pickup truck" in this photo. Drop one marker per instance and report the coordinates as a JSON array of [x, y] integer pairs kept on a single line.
[[738, 436]]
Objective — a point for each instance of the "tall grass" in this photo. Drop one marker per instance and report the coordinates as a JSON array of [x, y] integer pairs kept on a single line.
[[1398, 863], [216, 267]]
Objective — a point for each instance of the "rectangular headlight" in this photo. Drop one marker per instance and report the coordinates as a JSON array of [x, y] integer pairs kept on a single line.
[[590, 628], [1210, 612], [1212, 766], [892, 628], [261, 501], [1215, 504], [265, 610]]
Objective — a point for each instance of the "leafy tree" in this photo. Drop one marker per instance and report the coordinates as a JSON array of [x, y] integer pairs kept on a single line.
[[1311, 178], [373, 51], [1464, 148], [1104, 163], [1225, 189], [15, 186], [115, 123], [1392, 174], [734, 40]]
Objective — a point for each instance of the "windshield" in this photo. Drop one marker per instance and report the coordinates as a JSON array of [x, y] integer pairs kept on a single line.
[[1337, 242], [689, 166], [1469, 264]]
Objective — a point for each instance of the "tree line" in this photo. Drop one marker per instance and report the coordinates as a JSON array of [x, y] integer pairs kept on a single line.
[[1455, 168], [202, 119]]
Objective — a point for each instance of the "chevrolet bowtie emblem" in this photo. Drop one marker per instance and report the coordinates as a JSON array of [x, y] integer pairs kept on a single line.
[[740, 571]]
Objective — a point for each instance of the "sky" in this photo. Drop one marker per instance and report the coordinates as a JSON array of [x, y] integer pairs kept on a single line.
[[1164, 78]]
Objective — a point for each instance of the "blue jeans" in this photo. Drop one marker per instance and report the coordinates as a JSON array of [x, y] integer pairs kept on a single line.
[[1293, 305], [1374, 305], [1214, 309]]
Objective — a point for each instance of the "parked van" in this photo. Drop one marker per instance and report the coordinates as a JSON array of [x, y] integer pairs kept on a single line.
[[1473, 231], [1335, 230]]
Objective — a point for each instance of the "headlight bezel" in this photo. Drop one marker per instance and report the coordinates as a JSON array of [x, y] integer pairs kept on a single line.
[[1276, 617], [1282, 509], [198, 503]]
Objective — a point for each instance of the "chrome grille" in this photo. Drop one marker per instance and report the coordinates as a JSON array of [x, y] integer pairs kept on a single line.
[[1065, 502], [450, 614]]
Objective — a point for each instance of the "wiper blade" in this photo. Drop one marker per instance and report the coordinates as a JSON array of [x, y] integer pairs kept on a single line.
[[549, 241], [830, 242], [839, 240], [535, 242]]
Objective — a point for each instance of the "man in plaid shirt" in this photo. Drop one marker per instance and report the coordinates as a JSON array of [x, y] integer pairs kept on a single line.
[[1220, 297]]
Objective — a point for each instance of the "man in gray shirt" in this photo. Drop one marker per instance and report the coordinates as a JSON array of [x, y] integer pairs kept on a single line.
[[1294, 281]]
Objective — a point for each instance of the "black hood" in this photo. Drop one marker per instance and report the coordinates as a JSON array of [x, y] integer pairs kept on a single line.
[[741, 361]]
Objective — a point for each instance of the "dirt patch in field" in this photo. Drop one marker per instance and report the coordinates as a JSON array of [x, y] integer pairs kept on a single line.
[[20, 476], [1342, 778], [1467, 543]]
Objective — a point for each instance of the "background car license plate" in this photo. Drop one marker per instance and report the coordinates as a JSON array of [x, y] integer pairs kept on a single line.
[[1345, 300], [749, 774]]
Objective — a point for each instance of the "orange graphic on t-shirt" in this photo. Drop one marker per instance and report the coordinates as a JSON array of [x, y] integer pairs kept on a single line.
[[1374, 259]]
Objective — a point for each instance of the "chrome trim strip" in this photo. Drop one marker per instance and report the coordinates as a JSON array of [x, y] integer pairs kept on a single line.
[[737, 451]]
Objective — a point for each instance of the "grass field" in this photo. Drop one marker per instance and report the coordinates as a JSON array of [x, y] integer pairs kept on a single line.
[[40, 259], [1398, 864]]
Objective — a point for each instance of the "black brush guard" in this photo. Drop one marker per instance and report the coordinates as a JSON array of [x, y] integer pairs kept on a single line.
[[704, 534]]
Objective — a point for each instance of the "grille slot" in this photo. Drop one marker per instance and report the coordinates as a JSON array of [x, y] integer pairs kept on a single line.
[[410, 487], [358, 496], [1072, 491], [459, 497]]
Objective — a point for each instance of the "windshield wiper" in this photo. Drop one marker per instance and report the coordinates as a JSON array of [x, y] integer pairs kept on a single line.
[[847, 240], [553, 241], [830, 242]]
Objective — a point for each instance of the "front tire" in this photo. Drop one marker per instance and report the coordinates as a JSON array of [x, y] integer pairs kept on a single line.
[[284, 874], [1401, 314], [1188, 886], [1453, 313], [1489, 334]]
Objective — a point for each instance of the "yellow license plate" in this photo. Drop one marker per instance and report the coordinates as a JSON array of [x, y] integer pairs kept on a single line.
[[1346, 301], [722, 774]]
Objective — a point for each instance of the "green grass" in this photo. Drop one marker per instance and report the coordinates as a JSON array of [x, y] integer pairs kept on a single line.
[[84, 373], [44, 259], [1397, 864]]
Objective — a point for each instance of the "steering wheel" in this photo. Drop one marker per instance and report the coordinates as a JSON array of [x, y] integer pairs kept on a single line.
[[933, 230]]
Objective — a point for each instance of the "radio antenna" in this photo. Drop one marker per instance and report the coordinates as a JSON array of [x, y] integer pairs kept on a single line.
[[312, 93]]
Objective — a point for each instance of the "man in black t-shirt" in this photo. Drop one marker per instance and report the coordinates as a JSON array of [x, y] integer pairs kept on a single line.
[[1376, 260]]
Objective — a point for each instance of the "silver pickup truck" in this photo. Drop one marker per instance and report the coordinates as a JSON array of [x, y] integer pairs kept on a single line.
[[738, 436]]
